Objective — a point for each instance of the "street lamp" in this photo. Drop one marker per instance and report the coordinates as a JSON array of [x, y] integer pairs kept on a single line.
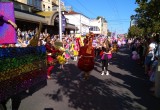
[[60, 21]]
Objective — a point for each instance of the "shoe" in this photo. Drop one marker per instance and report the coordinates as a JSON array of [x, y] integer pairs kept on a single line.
[[102, 73], [107, 73], [49, 77], [27, 91]]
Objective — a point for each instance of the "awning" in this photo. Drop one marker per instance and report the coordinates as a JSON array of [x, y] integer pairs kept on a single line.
[[49, 16], [47, 13], [29, 17], [71, 27]]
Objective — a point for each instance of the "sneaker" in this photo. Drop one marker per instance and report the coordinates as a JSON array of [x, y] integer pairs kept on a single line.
[[102, 73], [107, 73], [27, 91]]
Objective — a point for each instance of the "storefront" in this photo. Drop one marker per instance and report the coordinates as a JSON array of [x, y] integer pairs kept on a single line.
[[49, 19]]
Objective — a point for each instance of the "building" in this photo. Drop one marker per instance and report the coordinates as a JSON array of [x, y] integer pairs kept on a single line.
[[104, 28], [98, 26], [29, 13], [79, 20]]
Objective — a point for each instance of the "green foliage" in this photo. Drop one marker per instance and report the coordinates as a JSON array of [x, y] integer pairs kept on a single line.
[[147, 16], [104, 20], [135, 31]]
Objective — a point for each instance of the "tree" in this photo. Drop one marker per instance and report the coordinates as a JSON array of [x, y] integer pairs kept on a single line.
[[103, 19], [135, 31], [148, 15]]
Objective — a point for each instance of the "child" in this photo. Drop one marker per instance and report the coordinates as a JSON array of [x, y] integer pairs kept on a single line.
[[67, 53], [60, 58], [104, 58]]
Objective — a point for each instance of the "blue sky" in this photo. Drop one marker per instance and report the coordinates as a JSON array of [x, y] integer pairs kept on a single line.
[[116, 12]]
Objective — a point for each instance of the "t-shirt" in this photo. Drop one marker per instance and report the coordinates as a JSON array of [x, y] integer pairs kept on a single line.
[[153, 47]]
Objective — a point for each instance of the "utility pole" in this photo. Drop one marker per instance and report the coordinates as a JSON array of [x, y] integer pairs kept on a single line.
[[80, 25], [60, 21]]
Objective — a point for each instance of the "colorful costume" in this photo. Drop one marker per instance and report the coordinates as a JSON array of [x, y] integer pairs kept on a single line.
[[67, 53], [51, 57], [61, 59], [76, 48], [86, 53]]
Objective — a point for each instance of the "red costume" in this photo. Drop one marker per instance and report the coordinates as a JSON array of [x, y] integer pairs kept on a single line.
[[51, 56], [86, 53]]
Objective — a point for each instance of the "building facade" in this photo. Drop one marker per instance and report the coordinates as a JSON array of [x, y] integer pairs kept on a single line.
[[98, 26], [79, 20], [29, 13]]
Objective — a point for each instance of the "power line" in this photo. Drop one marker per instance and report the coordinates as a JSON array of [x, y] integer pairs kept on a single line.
[[77, 10], [85, 8]]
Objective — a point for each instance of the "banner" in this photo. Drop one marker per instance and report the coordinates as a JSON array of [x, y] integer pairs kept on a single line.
[[63, 23], [7, 31]]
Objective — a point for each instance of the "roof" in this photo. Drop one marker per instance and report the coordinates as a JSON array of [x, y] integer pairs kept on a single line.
[[71, 13]]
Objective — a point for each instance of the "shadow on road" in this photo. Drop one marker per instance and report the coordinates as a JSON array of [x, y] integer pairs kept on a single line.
[[97, 94]]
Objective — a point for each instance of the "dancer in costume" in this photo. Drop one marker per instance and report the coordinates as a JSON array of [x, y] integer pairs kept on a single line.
[[86, 56], [72, 48], [76, 49], [61, 57], [51, 56], [67, 53]]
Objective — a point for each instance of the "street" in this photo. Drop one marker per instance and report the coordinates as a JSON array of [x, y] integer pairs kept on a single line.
[[126, 88]]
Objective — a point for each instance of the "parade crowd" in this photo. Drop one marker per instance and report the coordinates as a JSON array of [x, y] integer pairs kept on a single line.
[[146, 51], [87, 49]]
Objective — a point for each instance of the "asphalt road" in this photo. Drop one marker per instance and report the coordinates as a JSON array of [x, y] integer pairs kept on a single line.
[[126, 88]]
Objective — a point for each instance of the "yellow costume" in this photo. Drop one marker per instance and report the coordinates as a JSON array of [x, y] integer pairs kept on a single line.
[[75, 52], [61, 59]]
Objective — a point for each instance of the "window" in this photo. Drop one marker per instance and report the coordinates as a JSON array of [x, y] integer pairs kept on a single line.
[[48, 8], [94, 28], [43, 7], [29, 2]]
